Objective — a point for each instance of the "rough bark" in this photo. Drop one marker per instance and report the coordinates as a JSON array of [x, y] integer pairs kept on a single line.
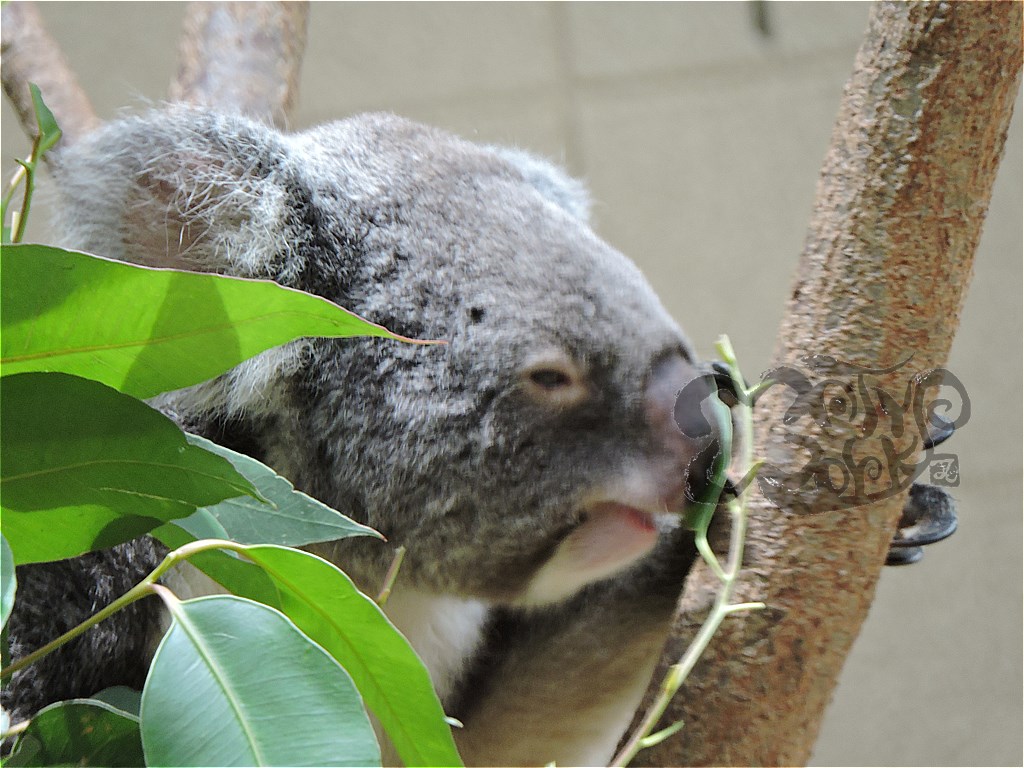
[[899, 208], [244, 57], [30, 55]]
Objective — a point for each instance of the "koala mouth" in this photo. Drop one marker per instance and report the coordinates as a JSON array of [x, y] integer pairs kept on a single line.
[[612, 535], [609, 536]]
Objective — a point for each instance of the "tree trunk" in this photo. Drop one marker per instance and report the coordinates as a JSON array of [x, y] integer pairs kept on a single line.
[[900, 204], [244, 57]]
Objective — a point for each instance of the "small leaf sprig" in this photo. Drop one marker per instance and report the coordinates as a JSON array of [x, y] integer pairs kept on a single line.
[[49, 134], [699, 519]]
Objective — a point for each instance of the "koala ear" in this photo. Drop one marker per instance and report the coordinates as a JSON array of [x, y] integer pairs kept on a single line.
[[551, 181], [179, 187], [189, 189]]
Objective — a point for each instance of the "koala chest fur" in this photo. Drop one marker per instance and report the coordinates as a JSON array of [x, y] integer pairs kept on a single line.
[[531, 465]]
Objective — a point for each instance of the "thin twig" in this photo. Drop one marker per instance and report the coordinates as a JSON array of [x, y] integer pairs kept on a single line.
[[147, 586], [31, 55], [722, 608], [390, 577]]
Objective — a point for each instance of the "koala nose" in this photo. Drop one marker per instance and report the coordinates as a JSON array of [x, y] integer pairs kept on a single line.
[[686, 440]]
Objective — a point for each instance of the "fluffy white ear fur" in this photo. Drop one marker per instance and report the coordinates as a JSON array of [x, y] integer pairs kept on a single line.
[[552, 182], [252, 388], [167, 194]]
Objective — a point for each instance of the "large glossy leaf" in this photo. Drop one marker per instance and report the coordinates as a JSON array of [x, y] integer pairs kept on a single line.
[[79, 732], [98, 466], [143, 330], [122, 698], [8, 581], [290, 517], [256, 692], [325, 604]]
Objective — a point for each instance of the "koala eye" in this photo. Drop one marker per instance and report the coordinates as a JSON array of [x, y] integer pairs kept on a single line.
[[554, 379], [550, 378]]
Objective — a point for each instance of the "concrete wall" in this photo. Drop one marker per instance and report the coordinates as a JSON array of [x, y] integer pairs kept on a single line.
[[701, 138]]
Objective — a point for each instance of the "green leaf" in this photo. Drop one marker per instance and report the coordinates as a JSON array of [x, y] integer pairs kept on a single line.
[[325, 604], [291, 518], [8, 581], [99, 467], [49, 132], [145, 331], [257, 692], [79, 732], [698, 516], [121, 698], [199, 525]]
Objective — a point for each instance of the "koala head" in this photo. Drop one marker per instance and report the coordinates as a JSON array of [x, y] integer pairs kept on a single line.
[[531, 453]]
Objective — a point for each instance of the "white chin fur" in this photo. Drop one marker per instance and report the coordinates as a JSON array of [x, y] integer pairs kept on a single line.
[[612, 537]]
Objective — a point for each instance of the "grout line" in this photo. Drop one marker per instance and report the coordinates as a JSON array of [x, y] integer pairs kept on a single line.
[[569, 93]]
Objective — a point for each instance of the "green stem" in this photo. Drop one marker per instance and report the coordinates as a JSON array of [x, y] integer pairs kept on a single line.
[[679, 671], [700, 538], [14, 730], [26, 203], [29, 168], [390, 577], [145, 587], [12, 187], [137, 592]]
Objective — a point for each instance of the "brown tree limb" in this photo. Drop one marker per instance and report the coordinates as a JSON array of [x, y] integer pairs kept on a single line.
[[900, 204], [243, 57], [31, 55]]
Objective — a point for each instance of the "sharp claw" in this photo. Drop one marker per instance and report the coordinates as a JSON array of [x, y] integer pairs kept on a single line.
[[904, 556], [928, 516], [940, 430]]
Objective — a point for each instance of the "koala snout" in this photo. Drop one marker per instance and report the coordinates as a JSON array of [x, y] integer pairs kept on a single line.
[[684, 438]]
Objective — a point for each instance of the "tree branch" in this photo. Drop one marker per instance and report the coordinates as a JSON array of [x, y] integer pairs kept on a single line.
[[244, 57], [30, 55], [900, 204]]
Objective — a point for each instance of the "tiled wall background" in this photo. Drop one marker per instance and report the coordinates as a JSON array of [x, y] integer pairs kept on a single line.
[[701, 138]]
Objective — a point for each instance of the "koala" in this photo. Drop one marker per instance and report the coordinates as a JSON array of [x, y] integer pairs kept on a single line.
[[532, 465]]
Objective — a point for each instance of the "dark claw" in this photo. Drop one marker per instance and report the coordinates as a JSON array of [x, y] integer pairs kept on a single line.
[[928, 516], [940, 430], [905, 556], [723, 380], [726, 390]]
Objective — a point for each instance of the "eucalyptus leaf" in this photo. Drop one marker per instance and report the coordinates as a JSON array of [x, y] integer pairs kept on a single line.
[[257, 692], [143, 330], [200, 525], [698, 516], [100, 467], [290, 517], [79, 732], [8, 581], [325, 604], [121, 698], [49, 132]]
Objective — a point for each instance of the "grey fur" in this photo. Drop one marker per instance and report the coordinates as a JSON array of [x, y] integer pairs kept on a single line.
[[445, 449]]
